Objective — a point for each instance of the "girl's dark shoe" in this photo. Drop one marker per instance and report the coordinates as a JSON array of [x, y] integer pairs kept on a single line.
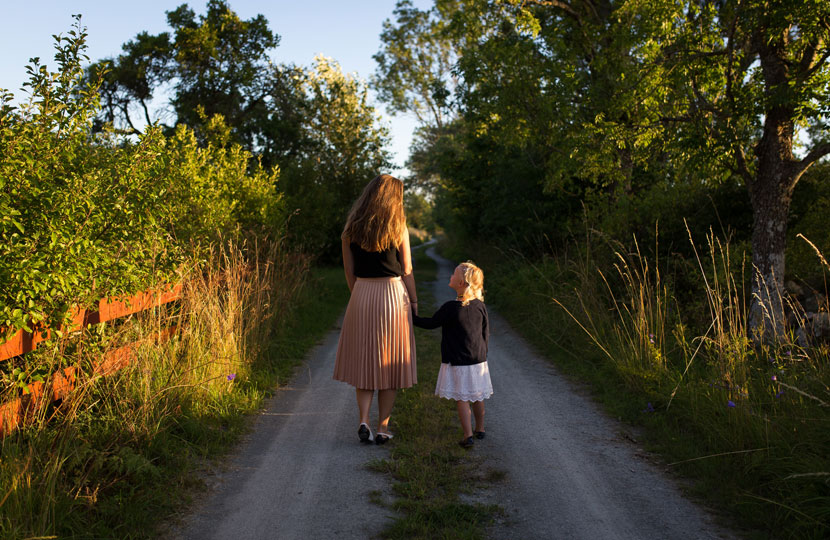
[[381, 438], [466, 443], [364, 433], [479, 434]]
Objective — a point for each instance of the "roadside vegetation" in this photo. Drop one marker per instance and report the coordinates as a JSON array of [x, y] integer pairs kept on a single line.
[[92, 207], [122, 452], [646, 187]]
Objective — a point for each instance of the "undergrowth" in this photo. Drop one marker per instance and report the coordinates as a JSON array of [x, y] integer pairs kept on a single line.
[[748, 422], [123, 451]]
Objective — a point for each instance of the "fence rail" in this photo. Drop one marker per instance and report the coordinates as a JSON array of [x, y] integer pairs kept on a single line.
[[16, 412]]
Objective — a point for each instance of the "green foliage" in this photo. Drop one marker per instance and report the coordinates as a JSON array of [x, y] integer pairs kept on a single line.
[[414, 64], [615, 109], [87, 215], [347, 149], [214, 187], [811, 206], [418, 211]]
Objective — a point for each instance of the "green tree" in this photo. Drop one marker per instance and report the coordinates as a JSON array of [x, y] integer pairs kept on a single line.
[[347, 148], [612, 98], [414, 71], [754, 72], [216, 63], [86, 215]]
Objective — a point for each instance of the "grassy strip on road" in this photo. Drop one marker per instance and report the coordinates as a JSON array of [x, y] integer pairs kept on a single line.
[[432, 473]]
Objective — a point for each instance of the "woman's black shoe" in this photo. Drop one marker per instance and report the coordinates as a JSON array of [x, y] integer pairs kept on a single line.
[[381, 438], [479, 434], [364, 433], [466, 443]]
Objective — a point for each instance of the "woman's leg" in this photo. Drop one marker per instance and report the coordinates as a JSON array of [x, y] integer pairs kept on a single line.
[[364, 403], [386, 399], [478, 411], [464, 415]]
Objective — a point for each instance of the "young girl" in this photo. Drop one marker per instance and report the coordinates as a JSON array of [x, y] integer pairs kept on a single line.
[[464, 375]]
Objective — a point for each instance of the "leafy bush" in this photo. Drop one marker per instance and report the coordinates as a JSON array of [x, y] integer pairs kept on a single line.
[[84, 215]]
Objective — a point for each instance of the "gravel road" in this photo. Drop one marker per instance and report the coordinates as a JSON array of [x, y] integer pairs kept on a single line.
[[570, 472], [301, 473]]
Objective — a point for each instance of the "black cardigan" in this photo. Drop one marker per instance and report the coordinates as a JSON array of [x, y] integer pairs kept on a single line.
[[465, 331]]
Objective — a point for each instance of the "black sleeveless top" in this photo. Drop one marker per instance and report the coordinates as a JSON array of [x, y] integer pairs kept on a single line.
[[371, 264]]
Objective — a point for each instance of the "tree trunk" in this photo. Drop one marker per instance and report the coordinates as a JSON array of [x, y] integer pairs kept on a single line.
[[770, 193]]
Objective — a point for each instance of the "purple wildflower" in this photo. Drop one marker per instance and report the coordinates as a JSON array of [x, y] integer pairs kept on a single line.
[[773, 378], [730, 403], [232, 376], [779, 394], [651, 338], [649, 407]]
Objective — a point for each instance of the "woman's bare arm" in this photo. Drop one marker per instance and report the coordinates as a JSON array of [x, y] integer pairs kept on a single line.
[[348, 262], [406, 266]]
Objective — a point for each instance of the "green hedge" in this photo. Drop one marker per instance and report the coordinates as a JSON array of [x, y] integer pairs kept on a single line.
[[85, 215]]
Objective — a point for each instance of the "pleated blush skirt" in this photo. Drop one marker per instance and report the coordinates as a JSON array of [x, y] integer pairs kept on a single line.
[[377, 344]]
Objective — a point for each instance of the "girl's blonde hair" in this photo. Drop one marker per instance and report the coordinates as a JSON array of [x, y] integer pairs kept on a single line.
[[474, 278], [376, 220]]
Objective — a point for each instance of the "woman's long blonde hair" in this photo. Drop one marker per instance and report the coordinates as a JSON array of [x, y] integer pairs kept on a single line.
[[376, 220], [474, 278]]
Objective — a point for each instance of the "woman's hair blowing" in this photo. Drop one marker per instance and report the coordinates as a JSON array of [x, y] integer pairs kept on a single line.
[[376, 220]]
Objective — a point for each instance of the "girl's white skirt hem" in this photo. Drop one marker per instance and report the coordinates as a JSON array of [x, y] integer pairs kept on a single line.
[[464, 383]]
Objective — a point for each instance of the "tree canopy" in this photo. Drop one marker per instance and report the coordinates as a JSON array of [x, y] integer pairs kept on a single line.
[[315, 124], [567, 107]]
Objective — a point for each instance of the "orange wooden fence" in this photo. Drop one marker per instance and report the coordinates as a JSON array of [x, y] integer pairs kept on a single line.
[[17, 411]]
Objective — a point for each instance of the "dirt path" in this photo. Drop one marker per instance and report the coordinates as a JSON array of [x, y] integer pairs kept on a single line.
[[301, 473], [569, 471]]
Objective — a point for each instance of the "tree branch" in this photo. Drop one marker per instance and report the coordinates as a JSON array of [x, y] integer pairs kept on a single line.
[[564, 6], [818, 152], [743, 167], [146, 112], [816, 66], [124, 106]]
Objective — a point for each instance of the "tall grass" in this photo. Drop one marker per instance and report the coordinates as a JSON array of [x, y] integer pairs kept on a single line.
[[113, 455], [749, 421]]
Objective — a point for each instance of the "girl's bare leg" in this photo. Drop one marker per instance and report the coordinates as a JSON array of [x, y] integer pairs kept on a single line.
[[386, 399], [364, 403], [478, 412], [464, 416]]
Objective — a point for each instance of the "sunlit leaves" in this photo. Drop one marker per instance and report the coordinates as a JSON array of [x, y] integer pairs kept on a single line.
[[87, 215]]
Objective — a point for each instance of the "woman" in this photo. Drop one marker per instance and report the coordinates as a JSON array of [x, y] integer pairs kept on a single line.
[[377, 346]]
